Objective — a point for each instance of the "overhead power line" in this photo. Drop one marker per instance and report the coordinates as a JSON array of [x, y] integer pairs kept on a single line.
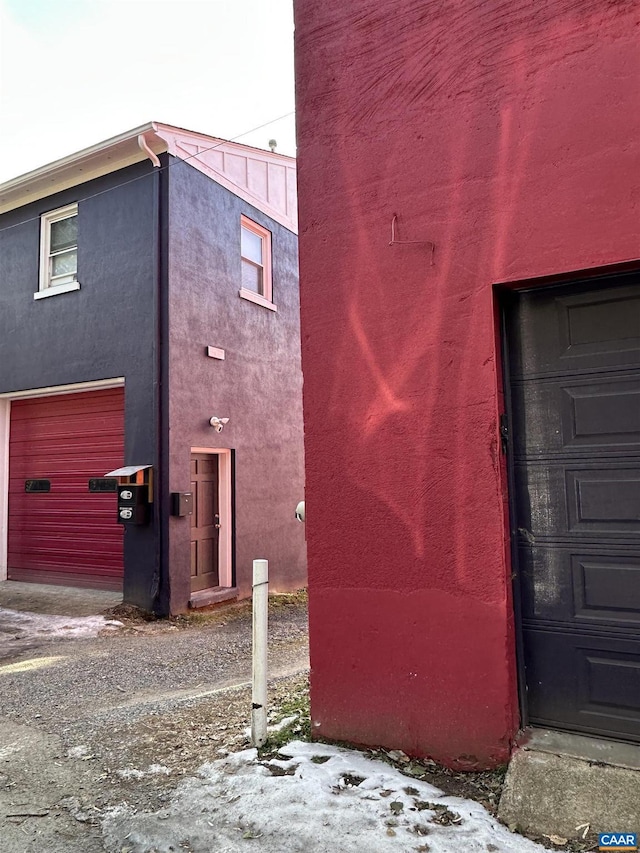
[[176, 162]]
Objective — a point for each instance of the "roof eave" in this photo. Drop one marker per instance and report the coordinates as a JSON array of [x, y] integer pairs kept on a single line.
[[103, 158]]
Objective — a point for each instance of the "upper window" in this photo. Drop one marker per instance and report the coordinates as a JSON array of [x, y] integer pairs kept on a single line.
[[59, 251], [255, 249]]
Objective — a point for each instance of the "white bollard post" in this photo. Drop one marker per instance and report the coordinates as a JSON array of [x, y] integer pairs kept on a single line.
[[259, 677]]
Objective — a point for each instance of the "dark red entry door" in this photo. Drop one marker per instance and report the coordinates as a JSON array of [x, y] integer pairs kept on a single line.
[[205, 522], [574, 362], [59, 532]]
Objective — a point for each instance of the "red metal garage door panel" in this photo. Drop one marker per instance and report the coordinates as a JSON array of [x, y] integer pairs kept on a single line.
[[67, 534]]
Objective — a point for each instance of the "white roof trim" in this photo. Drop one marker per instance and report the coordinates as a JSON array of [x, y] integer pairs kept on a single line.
[[74, 388], [262, 178], [93, 162]]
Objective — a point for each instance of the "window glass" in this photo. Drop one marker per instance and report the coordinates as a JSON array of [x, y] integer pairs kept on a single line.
[[64, 234], [252, 277], [255, 257], [58, 251], [65, 263], [251, 246]]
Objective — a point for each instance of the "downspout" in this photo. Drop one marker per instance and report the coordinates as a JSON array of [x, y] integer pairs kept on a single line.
[[144, 146], [161, 587], [162, 583]]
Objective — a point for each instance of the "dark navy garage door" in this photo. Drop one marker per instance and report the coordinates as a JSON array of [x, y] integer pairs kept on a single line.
[[59, 532], [574, 365]]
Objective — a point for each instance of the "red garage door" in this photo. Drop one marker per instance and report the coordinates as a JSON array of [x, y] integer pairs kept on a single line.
[[59, 532]]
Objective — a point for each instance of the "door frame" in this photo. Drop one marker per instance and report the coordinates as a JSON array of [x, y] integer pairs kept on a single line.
[[225, 500], [503, 295], [5, 427]]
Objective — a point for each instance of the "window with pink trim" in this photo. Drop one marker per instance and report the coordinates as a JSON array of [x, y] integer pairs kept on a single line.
[[255, 249]]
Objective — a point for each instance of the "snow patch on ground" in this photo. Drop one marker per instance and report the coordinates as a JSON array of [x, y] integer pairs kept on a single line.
[[152, 770], [276, 727], [6, 751], [316, 798], [78, 751], [25, 625]]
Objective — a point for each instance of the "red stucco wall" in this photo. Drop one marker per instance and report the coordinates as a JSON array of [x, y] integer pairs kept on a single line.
[[508, 133]]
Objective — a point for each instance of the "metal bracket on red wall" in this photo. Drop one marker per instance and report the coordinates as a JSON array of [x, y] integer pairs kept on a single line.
[[395, 242], [504, 432]]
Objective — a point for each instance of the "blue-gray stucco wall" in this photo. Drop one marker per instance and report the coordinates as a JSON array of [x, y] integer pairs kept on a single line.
[[258, 385], [108, 328]]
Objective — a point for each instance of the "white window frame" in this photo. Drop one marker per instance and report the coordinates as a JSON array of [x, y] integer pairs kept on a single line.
[[46, 221], [266, 297]]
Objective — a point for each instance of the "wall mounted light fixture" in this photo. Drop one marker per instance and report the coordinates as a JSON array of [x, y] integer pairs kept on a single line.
[[218, 423]]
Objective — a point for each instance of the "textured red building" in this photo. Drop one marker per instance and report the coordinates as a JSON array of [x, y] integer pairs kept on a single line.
[[469, 180]]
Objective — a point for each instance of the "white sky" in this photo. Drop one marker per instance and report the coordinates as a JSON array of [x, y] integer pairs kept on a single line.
[[76, 72]]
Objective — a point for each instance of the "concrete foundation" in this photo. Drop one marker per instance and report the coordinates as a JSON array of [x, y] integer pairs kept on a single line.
[[561, 784], [57, 600]]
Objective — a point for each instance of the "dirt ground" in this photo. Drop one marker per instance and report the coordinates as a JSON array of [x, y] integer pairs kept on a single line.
[[89, 724], [92, 723]]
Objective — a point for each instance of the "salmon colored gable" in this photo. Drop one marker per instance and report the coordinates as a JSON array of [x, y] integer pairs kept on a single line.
[[263, 178]]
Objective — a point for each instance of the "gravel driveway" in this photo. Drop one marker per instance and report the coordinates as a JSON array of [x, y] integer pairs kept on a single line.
[[86, 724]]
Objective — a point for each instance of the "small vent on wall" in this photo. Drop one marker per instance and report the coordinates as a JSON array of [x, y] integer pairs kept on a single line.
[[215, 352]]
